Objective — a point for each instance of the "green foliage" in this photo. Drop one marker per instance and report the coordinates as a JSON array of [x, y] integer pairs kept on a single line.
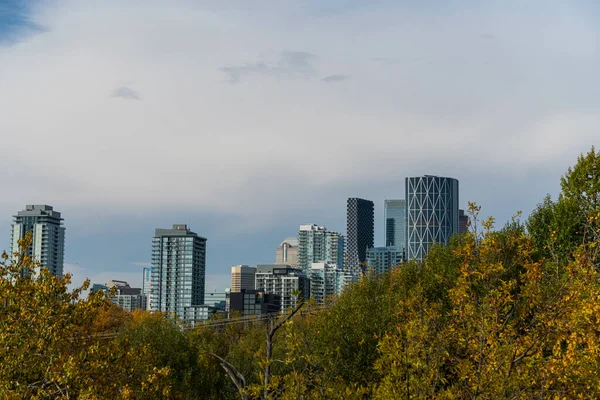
[[50, 346], [169, 347], [559, 228], [507, 313]]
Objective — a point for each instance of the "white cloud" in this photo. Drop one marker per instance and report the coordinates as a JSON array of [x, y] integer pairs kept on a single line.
[[460, 88]]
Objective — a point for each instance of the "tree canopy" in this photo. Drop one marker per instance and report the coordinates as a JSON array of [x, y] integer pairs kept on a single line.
[[509, 312]]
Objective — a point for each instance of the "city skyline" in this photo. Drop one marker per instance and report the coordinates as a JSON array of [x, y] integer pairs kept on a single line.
[[265, 129]]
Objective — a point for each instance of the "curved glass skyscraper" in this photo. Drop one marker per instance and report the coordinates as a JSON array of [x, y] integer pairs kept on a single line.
[[431, 213]]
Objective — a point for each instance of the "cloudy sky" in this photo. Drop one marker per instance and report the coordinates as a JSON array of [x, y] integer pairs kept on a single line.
[[245, 119]]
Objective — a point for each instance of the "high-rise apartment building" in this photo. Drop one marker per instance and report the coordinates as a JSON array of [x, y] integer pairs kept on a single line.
[[431, 213], [178, 270], [383, 259], [394, 220], [360, 222], [287, 252], [147, 285], [242, 277], [48, 234], [328, 280], [284, 280], [317, 244]]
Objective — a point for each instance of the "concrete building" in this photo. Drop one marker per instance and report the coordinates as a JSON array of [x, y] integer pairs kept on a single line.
[[285, 281], [317, 244], [193, 315], [431, 213], [48, 234], [178, 270], [126, 297], [383, 259], [254, 302], [147, 285], [242, 277], [327, 280], [360, 225], [287, 252], [394, 217]]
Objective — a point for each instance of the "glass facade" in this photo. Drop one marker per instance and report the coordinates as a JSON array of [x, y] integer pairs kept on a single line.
[[178, 270], [383, 259], [431, 213], [360, 223], [394, 214], [216, 299]]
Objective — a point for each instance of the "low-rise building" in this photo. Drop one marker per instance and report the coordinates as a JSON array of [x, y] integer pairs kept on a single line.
[[327, 280], [217, 299], [254, 302], [383, 259], [193, 315], [124, 296], [283, 280]]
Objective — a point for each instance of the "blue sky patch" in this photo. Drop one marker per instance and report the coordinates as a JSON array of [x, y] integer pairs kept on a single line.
[[15, 21]]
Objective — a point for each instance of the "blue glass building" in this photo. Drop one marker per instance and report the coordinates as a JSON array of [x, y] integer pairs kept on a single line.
[[394, 214]]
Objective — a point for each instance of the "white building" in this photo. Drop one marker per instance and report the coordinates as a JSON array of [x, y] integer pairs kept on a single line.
[[283, 280], [147, 285], [328, 280], [383, 259], [126, 297], [48, 236], [318, 245], [196, 314]]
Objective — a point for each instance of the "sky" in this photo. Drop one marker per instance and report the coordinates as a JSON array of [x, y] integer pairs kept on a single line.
[[246, 119]]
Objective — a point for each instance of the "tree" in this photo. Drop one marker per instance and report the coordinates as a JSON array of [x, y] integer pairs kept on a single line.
[[559, 228], [49, 346]]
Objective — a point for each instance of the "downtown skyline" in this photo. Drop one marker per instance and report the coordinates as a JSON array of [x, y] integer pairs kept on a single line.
[[220, 135]]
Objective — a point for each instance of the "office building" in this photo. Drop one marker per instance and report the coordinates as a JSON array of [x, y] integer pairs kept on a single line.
[[254, 302], [178, 270], [327, 280], [126, 297], [431, 213], [317, 244], [48, 235], [287, 252], [360, 221], [290, 283], [394, 215], [463, 222], [383, 259], [242, 277]]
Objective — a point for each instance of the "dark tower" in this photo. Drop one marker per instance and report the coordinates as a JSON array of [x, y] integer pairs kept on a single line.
[[359, 232]]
